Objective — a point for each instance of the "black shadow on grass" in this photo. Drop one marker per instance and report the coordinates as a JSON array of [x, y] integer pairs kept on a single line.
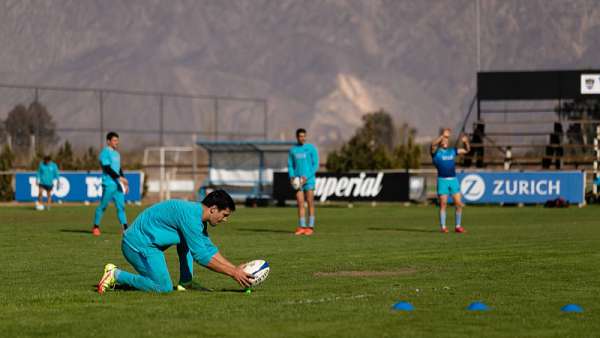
[[80, 231], [76, 231], [117, 287], [401, 229], [231, 290], [267, 230], [129, 288]]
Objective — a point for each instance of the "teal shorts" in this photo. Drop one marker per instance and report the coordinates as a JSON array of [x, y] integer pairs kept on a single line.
[[309, 184], [447, 186]]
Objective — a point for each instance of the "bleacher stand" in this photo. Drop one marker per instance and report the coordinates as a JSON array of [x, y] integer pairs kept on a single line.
[[244, 168]]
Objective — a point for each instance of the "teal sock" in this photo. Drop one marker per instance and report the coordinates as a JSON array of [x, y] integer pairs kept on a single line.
[[311, 221], [443, 218], [458, 216], [302, 222]]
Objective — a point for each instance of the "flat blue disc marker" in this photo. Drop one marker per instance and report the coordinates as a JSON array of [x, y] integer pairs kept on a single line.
[[571, 308], [477, 306], [403, 306]]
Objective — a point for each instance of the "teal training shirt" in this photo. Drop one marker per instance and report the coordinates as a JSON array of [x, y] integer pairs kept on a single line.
[[169, 223], [444, 161], [303, 160], [109, 157], [47, 173]]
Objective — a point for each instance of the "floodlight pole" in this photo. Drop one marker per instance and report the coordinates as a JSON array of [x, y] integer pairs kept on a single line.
[[101, 111], [266, 121], [162, 174], [215, 121], [161, 111], [194, 161]]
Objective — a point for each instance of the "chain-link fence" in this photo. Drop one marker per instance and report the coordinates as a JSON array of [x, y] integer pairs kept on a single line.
[[83, 116]]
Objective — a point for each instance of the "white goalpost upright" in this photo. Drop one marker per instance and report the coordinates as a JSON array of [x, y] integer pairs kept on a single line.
[[596, 160]]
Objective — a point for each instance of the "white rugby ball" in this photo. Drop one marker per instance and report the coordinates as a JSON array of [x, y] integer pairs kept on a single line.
[[123, 188], [296, 183], [259, 269]]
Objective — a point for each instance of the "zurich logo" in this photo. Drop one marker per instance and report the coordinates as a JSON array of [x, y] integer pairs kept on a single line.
[[472, 187]]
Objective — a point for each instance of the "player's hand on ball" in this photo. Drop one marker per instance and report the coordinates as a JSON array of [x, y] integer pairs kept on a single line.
[[124, 184], [302, 180], [295, 182], [241, 277]]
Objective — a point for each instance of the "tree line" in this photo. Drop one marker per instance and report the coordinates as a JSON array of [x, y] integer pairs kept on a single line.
[[34, 119], [378, 144]]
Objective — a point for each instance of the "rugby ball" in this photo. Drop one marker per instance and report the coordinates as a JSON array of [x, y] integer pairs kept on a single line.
[[259, 269], [124, 189], [296, 183]]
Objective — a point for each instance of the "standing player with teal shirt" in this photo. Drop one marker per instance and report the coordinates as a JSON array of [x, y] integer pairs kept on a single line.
[[46, 175], [444, 160], [168, 223], [303, 163], [114, 183]]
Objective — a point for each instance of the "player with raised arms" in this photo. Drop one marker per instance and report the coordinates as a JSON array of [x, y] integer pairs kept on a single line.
[[173, 222], [46, 175], [444, 158], [303, 163], [114, 183]]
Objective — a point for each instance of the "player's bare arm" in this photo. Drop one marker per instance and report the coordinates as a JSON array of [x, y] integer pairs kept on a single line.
[[436, 142], [466, 146]]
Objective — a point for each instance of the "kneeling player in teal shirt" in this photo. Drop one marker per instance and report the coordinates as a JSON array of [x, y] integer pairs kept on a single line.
[[168, 223]]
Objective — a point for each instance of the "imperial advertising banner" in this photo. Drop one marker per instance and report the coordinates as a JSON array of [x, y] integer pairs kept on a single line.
[[359, 186]]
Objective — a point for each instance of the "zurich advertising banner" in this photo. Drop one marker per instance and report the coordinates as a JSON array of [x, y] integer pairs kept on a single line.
[[74, 187], [522, 187]]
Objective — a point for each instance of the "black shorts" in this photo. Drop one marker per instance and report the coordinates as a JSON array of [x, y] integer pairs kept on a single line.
[[46, 187]]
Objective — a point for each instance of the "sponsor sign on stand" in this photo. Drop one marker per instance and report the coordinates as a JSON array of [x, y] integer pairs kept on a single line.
[[74, 187], [361, 186], [522, 187], [590, 83]]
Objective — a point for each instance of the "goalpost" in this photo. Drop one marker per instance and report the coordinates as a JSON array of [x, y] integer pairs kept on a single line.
[[596, 174], [169, 161]]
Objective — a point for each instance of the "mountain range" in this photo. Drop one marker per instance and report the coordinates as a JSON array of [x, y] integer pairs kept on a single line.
[[321, 64]]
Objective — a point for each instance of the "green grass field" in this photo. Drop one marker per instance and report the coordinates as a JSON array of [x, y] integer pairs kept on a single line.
[[525, 263]]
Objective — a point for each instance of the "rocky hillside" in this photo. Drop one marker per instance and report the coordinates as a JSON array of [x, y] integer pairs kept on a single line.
[[321, 63]]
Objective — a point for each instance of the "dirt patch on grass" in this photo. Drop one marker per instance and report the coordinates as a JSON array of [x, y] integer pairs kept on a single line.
[[367, 273]]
